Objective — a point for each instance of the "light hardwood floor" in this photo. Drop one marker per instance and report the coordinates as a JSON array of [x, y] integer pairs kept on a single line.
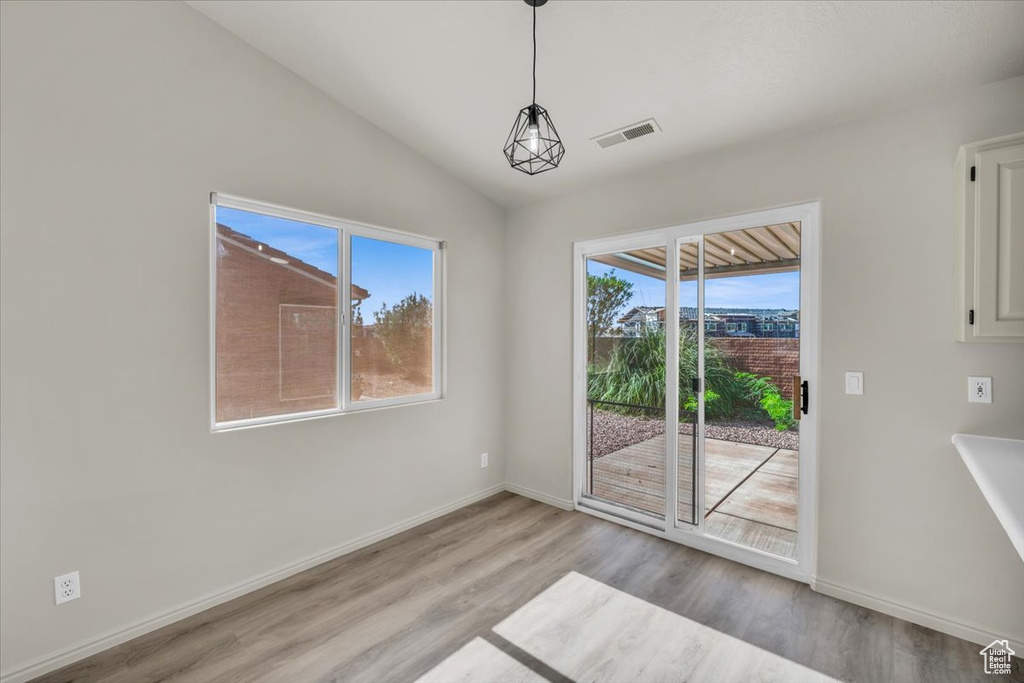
[[395, 610]]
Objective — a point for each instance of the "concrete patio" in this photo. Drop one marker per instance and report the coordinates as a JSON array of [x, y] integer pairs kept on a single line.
[[750, 496]]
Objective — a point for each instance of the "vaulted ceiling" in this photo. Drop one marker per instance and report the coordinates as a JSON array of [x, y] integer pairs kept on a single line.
[[448, 77]]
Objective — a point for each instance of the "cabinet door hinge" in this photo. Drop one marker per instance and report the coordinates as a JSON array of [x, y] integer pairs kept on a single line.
[[970, 317], [973, 172]]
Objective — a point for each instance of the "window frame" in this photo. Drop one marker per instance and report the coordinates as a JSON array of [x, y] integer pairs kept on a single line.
[[347, 229]]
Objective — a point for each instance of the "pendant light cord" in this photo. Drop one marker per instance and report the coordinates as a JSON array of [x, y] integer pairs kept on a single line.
[[535, 55]]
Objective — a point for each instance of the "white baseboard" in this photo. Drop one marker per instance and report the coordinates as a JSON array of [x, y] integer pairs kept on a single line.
[[958, 629], [563, 503], [70, 655]]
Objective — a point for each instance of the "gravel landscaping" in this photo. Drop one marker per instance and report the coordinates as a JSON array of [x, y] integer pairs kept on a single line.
[[613, 432]]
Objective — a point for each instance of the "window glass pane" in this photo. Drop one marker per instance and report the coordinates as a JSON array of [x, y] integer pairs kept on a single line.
[[626, 418], [277, 312], [392, 320], [689, 371]]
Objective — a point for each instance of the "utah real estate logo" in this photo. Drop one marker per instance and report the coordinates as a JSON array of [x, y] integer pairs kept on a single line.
[[997, 657]]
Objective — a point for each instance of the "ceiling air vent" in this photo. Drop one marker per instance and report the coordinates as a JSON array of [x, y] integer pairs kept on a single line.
[[637, 130]]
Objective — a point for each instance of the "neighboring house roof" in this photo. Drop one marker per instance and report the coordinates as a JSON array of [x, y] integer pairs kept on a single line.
[[641, 314], [358, 293], [638, 314]]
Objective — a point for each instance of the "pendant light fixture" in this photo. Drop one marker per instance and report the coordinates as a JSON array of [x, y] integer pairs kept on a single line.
[[533, 145]]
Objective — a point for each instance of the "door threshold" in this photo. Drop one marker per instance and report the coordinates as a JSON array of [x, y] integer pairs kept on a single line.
[[728, 550]]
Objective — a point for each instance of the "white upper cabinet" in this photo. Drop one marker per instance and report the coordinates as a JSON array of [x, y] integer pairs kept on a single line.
[[990, 241]]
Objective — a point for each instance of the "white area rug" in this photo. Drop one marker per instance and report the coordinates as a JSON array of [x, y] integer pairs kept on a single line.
[[478, 662], [590, 632]]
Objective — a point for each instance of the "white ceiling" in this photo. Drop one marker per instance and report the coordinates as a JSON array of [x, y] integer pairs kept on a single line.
[[448, 77]]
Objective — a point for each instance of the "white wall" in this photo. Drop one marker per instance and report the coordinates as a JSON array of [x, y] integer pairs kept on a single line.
[[117, 121], [900, 517]]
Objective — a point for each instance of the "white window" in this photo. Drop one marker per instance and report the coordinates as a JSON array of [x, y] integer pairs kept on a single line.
[[313, 315], [768, 327]]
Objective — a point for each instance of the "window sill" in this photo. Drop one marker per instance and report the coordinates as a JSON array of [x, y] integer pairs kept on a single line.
[[369, 407]]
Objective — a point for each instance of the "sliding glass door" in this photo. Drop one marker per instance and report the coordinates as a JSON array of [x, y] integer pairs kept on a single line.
[[693, 368], [751, 354], [627, 422]]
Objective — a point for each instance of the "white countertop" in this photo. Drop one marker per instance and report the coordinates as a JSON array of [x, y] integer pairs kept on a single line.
[[997, 465]]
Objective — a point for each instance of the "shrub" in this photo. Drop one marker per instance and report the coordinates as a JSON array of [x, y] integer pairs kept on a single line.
[[635, 375], [691, 405], [764, 393], [406, 329]]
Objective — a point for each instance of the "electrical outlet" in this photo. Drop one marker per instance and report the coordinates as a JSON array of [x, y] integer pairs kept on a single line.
[[67, 587], [979, 389], [483, 460]]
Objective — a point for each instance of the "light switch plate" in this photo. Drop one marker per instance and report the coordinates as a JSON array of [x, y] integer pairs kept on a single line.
[[855, 382], [979, 389]]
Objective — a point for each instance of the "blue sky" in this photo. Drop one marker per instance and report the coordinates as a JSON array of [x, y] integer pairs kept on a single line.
[[388, 271], [771, 290]]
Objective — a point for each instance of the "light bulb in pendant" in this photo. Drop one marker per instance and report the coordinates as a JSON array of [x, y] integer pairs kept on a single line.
[[533, 138], [533, 130]]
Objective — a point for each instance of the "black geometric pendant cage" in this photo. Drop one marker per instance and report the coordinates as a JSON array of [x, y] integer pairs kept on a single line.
[[533, 145]]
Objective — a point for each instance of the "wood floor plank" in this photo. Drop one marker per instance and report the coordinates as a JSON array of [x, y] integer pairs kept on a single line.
[[397, 609]]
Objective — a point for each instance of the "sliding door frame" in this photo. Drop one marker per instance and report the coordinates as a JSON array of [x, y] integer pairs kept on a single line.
[[803, 568], [645, 240]]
